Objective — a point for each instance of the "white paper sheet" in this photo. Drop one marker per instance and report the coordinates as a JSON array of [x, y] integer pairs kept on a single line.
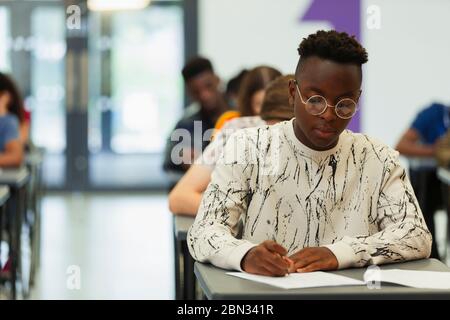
[[411, 278], [301, 280]]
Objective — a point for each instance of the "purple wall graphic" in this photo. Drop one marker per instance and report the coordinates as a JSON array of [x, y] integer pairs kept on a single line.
[[343, 15]]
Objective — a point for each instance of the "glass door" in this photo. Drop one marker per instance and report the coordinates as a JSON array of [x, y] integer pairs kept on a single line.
[[33, 52], [130, 76], [136, 96]]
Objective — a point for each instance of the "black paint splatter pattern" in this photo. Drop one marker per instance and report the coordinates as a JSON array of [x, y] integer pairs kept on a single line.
[[356, 193]]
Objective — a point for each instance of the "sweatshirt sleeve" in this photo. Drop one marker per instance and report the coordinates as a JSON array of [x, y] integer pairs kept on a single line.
[[11, 131], [403, 234], [212, 237]]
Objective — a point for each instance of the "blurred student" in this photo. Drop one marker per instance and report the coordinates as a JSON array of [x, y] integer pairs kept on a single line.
[[251, 94], [24, 128], [420, 141], [232, 89], [208, 104], [443, 151], [311, 195], [11, 115], [186, 196]]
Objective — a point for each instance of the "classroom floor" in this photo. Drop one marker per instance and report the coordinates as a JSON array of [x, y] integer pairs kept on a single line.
[[122, 244]]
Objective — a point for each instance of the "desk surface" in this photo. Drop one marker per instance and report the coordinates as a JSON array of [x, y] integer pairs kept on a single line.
[[417, 163], [182, 225], [4, 194], [14, 178], [35, 157], [216, 284]]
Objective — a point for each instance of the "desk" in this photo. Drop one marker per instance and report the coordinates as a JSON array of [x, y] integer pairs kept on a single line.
[[4, 196], [428, 190], [216, 284], [16, 180], [184, 263], [34, 162], [444, 175], [420, 170]]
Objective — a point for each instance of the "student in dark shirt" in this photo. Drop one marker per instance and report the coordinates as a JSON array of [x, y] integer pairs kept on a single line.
[[208, 104]]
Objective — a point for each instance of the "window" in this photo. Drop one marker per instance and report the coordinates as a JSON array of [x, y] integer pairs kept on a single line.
[[5, 38], [48, 92], [146, 87]]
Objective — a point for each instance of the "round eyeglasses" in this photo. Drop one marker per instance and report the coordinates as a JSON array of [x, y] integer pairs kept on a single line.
[[317, 104]]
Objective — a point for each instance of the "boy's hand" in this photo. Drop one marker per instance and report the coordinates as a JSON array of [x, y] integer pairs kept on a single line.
[[267, 259], [313, 259]]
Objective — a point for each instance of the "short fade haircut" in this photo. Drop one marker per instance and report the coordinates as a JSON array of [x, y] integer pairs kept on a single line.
[[195, 66], [332, 45]]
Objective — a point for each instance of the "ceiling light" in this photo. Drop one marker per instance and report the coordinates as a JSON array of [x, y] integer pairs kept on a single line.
[[114, 5]]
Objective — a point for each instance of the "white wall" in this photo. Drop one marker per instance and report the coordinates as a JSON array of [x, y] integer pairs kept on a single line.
[[409, 64], [408, 56], [245, 33]]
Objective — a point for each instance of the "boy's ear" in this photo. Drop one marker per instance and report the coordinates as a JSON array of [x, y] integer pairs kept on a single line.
[[291, 92]]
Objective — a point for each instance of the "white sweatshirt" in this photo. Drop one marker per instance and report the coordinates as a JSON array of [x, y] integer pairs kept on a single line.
[[354, 199], [211, 154]]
